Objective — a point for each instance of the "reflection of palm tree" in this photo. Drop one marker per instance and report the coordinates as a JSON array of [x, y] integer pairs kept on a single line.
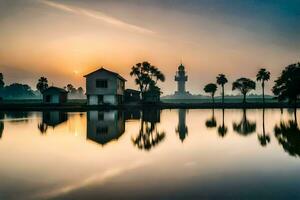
[[149, 136], [288, 135], [222, 130], [264, 139], [211, 123], [245, 127], [42, 127]]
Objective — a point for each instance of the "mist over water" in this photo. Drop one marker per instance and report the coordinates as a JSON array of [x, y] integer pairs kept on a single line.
[[149, 154]]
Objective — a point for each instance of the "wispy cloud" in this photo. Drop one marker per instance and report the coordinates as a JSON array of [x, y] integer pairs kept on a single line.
[[98, 16]]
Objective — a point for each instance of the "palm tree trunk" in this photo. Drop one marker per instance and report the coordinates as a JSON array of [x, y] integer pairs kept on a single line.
[[295, 111], [223, 95], [263, 91], [264, 122]]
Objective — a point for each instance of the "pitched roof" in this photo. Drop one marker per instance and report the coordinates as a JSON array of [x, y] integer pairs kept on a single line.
[[108, 71], [54, 89]]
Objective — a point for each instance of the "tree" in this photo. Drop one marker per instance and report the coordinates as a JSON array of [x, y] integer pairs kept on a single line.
[[42, 84], [244, 85], [287, 85], [146, 75], [17, 90], [1, 81], [211, 88], [222, 80], [70, 88], [263, 75]]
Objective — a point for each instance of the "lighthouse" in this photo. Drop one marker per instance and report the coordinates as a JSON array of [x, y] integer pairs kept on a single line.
[[181, 78]]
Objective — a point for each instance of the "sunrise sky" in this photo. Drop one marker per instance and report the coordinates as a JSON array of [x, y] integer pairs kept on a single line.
[[65, 39]]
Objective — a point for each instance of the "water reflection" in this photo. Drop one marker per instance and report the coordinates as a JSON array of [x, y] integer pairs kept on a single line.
[[244, 127], [263, 138], [104, 127], [222, 130], [288, 136], [52, 119], [182, 129], [1, 123], [149, 136], [211, 122]]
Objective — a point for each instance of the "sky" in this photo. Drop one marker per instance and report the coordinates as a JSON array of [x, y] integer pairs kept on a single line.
[[66, 39]]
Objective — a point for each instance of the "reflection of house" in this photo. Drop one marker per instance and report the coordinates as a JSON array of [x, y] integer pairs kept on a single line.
[[182, 129], [104, 86], [131, 95], [103, 127], [54, 118], [55, 95]]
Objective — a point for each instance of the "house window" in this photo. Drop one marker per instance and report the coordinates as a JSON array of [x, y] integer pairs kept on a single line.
[[101, 83]]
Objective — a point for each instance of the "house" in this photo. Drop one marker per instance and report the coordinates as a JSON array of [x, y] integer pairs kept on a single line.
[[104, 127], [131, 95], [55, 95], [104, 87]]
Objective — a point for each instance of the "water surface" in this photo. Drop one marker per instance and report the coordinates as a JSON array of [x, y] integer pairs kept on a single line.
[[151, 154]]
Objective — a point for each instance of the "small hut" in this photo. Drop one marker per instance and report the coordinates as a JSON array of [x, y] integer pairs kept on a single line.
[[131, 95], [55, 95]]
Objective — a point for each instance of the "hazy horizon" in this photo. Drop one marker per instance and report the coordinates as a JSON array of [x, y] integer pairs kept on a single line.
[[63, 40]]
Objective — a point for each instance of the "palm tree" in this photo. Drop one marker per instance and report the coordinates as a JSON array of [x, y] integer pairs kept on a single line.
[[222, 80], [146, 75], [245, 85], [211, 88], [263, 75], [42, 84]]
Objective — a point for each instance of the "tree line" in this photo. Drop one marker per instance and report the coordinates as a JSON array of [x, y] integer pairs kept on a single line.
[[24, 91]]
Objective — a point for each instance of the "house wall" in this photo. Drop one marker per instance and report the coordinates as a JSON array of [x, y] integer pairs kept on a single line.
[[107, 99], [114, 84]]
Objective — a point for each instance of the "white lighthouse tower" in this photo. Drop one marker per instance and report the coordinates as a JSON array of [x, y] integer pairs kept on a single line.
[[181, 78]]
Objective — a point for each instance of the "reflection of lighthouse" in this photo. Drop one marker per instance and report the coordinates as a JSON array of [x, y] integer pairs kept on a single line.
[[181, 78], [182, 129]]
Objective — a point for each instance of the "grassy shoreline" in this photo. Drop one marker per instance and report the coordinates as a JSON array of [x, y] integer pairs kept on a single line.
[[76, 106]]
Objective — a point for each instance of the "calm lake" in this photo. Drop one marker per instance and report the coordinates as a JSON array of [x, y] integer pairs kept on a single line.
[[151, 154]]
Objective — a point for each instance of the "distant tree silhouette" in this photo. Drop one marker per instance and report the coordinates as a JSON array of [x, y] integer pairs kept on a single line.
[[1, 81], [222, 130], [264, 138], [222, 80], [80, 91], [211, 123], [70, 88], [244, 127], [42, 84], [244, 85], [287, 85], [263, 75], [288, 135], [211, 88], [17, 90], [146, 75]]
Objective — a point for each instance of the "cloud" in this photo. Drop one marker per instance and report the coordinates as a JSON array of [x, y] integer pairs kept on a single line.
[[98, 16]]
